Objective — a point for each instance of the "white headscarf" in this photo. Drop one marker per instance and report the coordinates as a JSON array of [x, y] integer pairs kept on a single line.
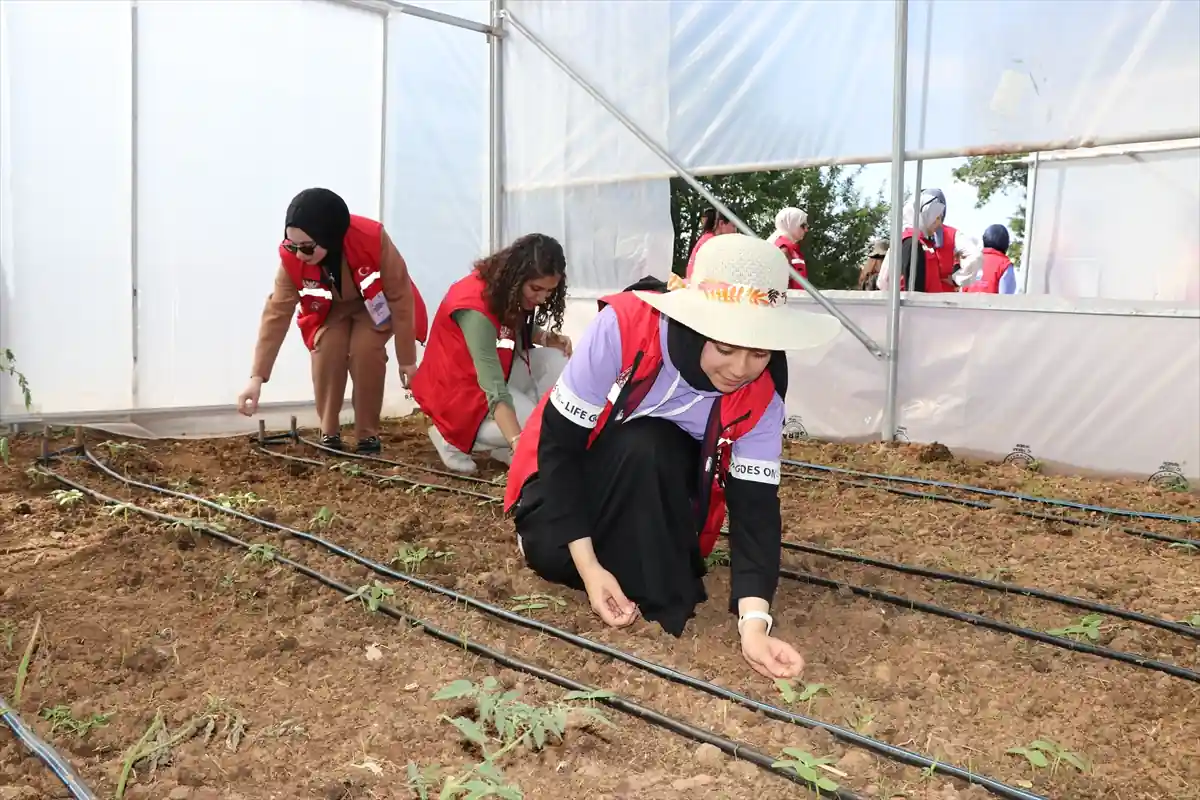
[[789, 221], [932, 207]]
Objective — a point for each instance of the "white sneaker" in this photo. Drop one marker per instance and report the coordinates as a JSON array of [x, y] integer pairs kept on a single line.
[[454, 459], [503, 454]]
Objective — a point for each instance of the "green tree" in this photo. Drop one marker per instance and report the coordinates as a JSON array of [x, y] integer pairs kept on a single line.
[[841, 220], [992, 175]]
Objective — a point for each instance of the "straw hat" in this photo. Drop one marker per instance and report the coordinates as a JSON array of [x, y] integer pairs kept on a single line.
[[738, 295]]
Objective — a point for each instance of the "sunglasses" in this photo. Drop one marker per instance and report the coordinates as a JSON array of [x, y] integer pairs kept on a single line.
[[308, 248]]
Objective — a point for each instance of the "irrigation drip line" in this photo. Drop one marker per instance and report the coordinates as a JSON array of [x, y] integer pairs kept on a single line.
[[773, 712], [381, 460], [996, 625], [51, 757], [941, 498], [999, 586], [685, 729], [380, 477], [1028, 498]]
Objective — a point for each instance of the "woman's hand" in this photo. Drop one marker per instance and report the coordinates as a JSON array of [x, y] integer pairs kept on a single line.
[[247, 401], [406, 374], [607, 599], [561, 342], [770, 657]]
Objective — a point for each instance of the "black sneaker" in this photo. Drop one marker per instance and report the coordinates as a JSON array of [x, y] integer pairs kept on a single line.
[[369, 446], [333, 441]]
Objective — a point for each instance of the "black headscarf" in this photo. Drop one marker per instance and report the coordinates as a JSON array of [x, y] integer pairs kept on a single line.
[[325, 217]]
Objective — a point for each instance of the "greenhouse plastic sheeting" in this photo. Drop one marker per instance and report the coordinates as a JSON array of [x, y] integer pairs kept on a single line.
[[1091, 217], [723, 84], [65, 186]]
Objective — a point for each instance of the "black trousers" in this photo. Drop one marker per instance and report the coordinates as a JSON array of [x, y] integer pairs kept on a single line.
[[641, 480]]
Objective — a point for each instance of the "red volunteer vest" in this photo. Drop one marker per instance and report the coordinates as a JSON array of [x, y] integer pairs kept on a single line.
[[362, 248], [692, 258], [794, 257], [446, 386], [732, 416], [995, 264], [933, 279], [946, 262]]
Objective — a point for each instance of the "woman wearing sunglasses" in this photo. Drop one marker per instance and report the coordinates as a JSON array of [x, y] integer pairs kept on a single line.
[[354, 293]]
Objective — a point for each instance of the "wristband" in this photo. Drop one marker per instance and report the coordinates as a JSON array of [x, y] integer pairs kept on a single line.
[[764, 616]]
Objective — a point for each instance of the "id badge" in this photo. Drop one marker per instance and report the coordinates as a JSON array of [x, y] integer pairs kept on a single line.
[[377, 307]]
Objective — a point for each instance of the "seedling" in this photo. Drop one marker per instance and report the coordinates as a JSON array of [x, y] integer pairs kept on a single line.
[[536, 602], [35, 475], [1193, 620], [1188, 546], [197, 525], [422, 780], [411, 557], [1043, 753], [371, 595], [238, 500], [66, 497], [60, 718], [118, 449], [8, 366], [8, 631], [347, 468], [861, 720], [717, 558], [805, 765], [323, 518], [1088, 627], [261, 553], [807, 695], [121, 510]]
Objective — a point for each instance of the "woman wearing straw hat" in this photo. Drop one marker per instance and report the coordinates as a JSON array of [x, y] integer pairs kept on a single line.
[[671, 407]]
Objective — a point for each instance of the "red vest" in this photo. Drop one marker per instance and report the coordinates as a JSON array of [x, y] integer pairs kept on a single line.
[[933, 280], [446, 386], [995, 264], [362, 247], [732, 416], [945, 263], [794, 256], [692, 258]]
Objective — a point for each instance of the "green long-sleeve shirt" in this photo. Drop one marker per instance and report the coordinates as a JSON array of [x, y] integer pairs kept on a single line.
[[480, 334]]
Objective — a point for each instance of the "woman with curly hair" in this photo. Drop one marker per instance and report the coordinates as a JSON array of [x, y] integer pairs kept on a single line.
[[481, 375]]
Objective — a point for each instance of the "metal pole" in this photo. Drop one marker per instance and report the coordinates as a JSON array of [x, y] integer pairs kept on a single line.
[[388, 6], [899, 115], [496, 133], [383, 129], [1031, 194], [133, 205], [916, 250], [682, 171], [932, 154]]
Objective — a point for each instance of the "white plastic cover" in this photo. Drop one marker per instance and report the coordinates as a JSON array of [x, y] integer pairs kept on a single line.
[[1118, 227], [65, 153]]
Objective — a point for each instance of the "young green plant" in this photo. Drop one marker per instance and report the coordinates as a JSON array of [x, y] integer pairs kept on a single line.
[[1088, 627], [66, 497], [372, 595], [61, 718], [1046, 753], [411, 557], [805, 765]]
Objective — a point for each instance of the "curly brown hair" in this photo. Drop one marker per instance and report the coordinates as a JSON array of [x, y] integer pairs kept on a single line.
[[532, 256]]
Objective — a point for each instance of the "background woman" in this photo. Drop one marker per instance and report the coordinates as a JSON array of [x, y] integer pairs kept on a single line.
[[791, 226], [868, 274], [355, 294], [480, 377], [672, 406], [712, 223], [997, 274]]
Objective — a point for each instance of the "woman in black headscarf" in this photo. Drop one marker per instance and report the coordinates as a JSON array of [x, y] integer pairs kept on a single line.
[[354, 293]]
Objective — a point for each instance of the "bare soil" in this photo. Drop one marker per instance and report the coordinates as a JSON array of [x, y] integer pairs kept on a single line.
[[310, 696]]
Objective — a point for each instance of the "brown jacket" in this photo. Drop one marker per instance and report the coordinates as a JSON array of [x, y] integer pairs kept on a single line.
[[281, 305]]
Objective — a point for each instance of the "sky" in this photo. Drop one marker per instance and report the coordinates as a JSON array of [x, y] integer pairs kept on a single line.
[[960, 197]]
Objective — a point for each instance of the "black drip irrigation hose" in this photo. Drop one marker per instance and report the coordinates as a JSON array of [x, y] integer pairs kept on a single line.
[[729, 746], [998, 586], [1028, 498], [773, 712], [61, 768], [916, 605], [380, 477], [390, 462], [995, 625], [941, 498]]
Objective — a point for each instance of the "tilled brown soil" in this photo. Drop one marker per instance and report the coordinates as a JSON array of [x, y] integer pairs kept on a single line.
[[312, 696]]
